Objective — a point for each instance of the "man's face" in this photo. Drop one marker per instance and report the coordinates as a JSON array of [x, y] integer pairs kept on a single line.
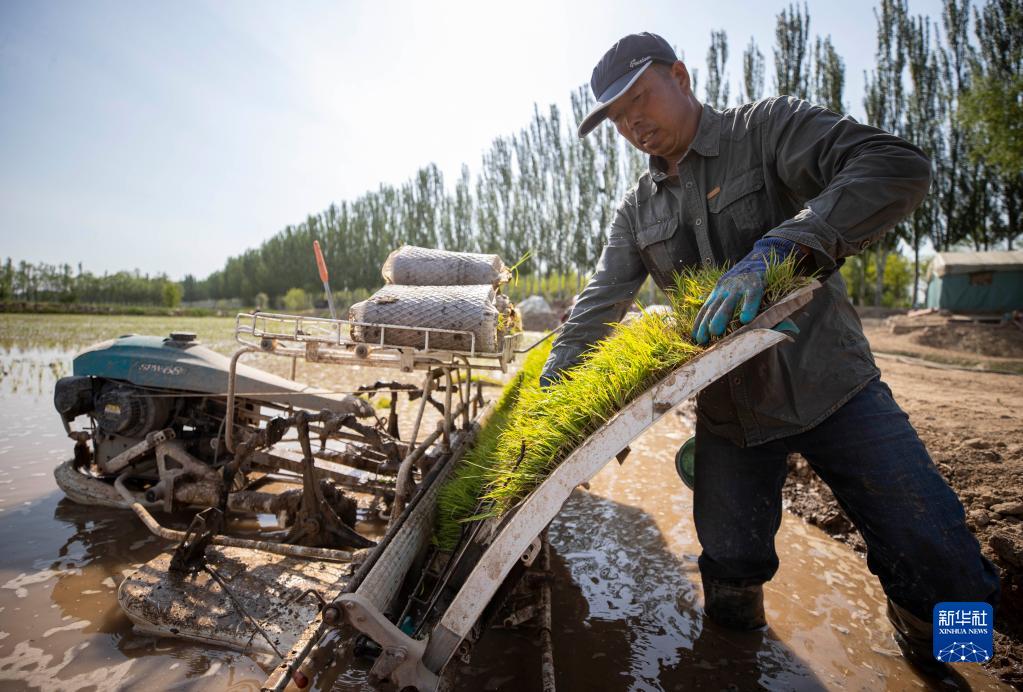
[[658, 113]]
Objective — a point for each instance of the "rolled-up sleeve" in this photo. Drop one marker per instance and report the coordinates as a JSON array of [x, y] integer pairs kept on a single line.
[[606, 298], [858, 181]]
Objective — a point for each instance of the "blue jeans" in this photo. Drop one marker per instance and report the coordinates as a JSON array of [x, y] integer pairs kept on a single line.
[[870, 456]]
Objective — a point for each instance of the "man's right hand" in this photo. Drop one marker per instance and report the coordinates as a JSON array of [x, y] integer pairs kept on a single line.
[[745, 282]]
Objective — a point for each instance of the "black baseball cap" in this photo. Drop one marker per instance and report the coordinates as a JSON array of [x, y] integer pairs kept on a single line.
[[620, 68]]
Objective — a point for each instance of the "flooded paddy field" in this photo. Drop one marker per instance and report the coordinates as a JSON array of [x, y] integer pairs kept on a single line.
[[627, 600]]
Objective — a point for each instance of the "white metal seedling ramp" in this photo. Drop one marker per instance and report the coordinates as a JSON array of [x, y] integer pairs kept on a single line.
[[417, 663]]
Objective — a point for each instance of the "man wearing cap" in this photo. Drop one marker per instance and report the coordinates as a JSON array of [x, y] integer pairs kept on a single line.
[[777, 177]]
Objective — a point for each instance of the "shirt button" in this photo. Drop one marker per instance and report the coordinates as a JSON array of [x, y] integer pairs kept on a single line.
[[736, 380], [699, 222], [689, 185]]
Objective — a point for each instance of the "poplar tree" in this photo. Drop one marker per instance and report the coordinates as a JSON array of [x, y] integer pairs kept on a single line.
[[828, 76], [545, 191], [885, 103], [752, 72], [717, 80], [922, 127], [992, 107], [791, 57], [953, 182]]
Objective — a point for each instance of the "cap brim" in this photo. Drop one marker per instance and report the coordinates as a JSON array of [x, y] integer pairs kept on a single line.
[[610, 95]]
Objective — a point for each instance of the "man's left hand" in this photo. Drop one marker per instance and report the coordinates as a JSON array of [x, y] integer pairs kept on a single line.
[[743, 281]]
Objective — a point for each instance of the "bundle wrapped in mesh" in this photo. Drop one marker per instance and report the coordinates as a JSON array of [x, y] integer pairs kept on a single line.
[[419, 266], [480, 310]]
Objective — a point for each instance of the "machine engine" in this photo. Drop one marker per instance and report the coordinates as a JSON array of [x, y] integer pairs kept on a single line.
[[127, 410], [157, 434]]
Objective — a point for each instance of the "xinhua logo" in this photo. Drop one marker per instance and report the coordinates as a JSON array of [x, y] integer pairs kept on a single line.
[[963, 632]]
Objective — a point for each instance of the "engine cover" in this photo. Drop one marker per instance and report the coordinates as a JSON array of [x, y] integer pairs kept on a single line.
[[130, 411], [72, 396]]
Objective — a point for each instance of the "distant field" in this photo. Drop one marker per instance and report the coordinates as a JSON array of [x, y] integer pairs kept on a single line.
[[69, 332]]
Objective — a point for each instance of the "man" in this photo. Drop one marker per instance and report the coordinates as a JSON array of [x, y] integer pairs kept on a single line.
[[774, 178]]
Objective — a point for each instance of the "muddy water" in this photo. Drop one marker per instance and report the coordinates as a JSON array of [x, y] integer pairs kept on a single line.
[[627, 596], [628, 612], [60, 627]]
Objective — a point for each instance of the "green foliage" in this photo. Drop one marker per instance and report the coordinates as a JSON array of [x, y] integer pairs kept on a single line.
[[347, 298], [171, 294], [66, 308], [717, 78], [7, 281], [545, 191], [542, 190], [752, 73], [538, 428], [860, 274], [991, 108], [828, 76], [459, 498], [991, 111], [791, 53], [296, 300], [53, 283]]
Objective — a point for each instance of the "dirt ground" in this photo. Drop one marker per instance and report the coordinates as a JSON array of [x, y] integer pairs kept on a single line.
[[993, 347], [972, 424]]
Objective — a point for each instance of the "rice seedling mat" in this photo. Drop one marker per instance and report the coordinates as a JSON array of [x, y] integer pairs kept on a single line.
[[514, 532]]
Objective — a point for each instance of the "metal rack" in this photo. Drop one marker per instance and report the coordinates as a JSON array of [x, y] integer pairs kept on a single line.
[[325, 340]]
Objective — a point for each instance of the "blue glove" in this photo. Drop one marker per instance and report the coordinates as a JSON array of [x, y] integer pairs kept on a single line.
[[746, 281]]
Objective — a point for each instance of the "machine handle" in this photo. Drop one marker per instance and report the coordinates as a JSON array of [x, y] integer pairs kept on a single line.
[[320, 263], [322, 266]]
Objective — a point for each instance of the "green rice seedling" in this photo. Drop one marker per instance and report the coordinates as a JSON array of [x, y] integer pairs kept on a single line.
[[459, 498], [551, 423], [534, 430], [693, 286]]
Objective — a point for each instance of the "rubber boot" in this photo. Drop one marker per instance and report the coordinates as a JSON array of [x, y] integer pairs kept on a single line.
[[734, 607], [915, 639]]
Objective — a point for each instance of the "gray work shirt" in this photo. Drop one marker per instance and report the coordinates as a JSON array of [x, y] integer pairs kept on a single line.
[[778, 167]]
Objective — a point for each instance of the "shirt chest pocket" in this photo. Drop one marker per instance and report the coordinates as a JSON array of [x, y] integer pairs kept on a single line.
[[739, 203], [656, 231], [661, 247]]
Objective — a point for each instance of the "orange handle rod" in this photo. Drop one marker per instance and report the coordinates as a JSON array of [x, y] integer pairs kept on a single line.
[[320, 263]]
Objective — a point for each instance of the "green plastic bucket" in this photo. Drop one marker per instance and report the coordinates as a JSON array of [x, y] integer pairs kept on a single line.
[[685, 462]]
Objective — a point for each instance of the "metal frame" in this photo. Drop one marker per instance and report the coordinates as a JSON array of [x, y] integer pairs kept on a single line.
[[515, 534], [540, 507], [381, 575], [325, 340]]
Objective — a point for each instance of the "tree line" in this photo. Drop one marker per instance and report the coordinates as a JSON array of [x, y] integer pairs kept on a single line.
[[952, 85], [541, 192], [59, 283]]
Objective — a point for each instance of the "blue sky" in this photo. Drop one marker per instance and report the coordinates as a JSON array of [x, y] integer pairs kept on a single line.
[[166, 136]]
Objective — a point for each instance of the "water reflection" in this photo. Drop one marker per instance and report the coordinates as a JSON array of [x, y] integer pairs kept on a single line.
[[60, 625], [99, 549], [639, 602], [32, 372]]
